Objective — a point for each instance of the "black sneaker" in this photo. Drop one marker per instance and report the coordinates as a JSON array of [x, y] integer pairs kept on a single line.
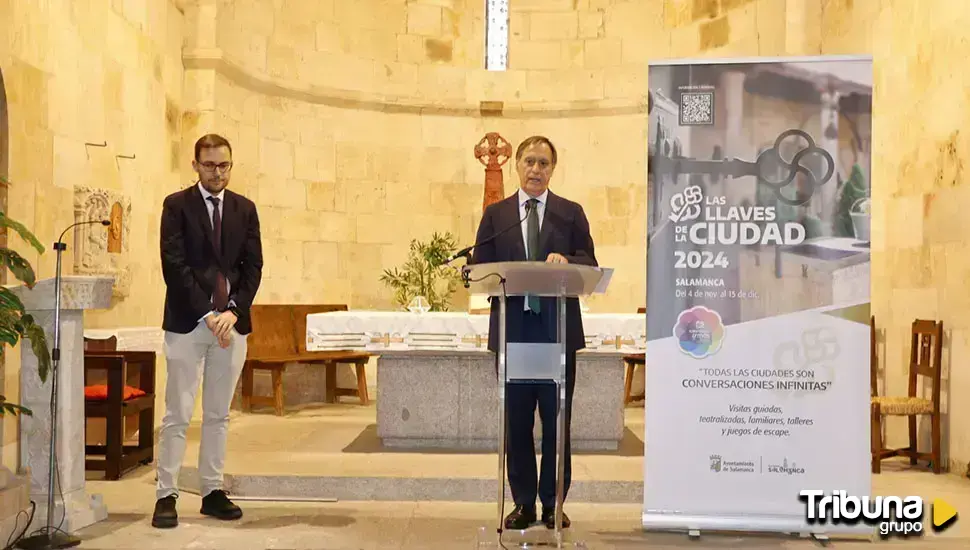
[[165, 516], [218, 505]]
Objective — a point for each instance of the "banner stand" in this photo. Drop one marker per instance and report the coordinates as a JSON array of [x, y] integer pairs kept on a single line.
[[693, 526], [758, 270]]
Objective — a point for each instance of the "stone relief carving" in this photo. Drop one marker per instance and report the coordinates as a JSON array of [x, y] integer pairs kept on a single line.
[[99, 250]]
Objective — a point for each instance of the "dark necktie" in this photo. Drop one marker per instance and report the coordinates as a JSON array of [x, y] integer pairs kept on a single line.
[[220, 295], [532, 240]]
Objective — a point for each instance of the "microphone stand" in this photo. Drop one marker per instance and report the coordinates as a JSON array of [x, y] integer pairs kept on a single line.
[[50, 537], [464, 252]]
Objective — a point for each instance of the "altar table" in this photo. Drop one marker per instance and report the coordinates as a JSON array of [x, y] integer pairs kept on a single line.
[[436, 378], [378, 331]]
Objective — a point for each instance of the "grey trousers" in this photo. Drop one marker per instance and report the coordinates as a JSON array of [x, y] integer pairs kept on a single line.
[[189, 357]]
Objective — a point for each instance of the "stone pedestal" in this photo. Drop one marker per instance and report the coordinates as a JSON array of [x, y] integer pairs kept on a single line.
[[74, 508]]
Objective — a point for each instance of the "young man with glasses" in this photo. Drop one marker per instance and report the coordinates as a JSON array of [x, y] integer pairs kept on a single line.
[[212, 263]]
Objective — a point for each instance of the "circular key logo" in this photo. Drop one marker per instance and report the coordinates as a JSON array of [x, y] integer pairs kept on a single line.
[[699, 332]]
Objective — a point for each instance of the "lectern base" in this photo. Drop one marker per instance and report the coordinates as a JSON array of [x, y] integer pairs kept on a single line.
[[527, 538]]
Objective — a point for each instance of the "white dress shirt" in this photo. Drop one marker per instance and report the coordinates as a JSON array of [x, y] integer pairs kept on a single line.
[[540, 210], [210, 208]]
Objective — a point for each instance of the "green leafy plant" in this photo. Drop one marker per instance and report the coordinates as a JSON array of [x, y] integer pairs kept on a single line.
[[848, 194], [15, 322], [425, 274]]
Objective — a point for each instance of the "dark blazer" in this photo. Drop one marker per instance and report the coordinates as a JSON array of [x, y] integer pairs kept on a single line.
[[564, 230], [190, 265]]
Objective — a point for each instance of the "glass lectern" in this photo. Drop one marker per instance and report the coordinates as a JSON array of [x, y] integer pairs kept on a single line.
[[521, 362]]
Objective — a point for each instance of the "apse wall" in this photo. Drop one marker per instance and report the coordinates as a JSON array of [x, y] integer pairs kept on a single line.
[[355, 127]]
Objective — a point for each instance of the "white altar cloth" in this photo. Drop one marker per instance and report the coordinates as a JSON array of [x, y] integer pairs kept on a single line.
[[131, 338], [403, 330]]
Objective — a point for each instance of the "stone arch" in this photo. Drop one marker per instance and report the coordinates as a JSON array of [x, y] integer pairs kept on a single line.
[[4, 164]]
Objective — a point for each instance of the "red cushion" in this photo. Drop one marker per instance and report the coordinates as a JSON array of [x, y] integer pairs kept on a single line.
[[99, 392]]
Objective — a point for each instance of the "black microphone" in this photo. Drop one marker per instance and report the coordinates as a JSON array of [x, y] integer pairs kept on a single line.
[[467, 249]]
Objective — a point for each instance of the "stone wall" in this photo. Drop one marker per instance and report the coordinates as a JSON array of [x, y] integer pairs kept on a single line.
[[354, 133], [347, 171], [102, 73], [921, 191]]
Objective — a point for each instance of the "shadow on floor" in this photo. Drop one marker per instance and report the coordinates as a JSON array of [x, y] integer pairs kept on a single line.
[[368, 442]]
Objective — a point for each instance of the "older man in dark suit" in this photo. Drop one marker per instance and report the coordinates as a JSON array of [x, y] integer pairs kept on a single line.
[[554, 229], [212, 262]]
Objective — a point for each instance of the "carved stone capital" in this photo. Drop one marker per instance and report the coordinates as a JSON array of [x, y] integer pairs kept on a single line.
[[78, 292]]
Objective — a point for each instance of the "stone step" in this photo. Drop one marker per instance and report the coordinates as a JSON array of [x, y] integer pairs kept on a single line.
[[334, 452], [395, 488]]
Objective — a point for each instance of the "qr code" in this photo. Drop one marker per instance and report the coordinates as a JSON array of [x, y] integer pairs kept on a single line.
[[697, 108]]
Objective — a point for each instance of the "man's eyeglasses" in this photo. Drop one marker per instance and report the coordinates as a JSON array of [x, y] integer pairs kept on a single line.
[[212, 167]]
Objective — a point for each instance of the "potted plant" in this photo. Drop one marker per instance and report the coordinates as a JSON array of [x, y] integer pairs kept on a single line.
[[424, 279], [15, 322]]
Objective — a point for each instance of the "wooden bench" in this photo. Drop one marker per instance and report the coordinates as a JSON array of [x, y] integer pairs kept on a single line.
[[278, 338]]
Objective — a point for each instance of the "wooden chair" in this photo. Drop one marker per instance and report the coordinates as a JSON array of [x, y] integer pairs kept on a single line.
[[925, 360], [120, 397], [873, 360], [278, 338], [631, 361]]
